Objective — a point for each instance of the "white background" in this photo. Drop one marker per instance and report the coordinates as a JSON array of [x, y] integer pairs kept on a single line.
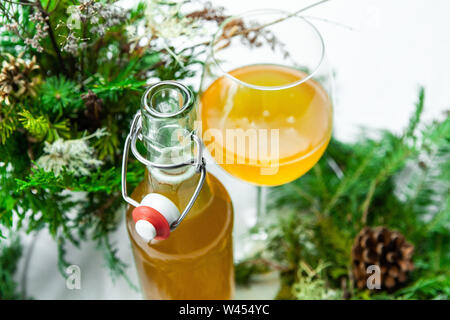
[[394, 47]]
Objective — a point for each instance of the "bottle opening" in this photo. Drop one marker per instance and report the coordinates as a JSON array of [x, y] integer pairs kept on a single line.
[[167, 99]]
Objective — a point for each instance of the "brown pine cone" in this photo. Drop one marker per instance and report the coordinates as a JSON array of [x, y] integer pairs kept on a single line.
[[386, 249], [92, 113], [94, 105], [17, 77]]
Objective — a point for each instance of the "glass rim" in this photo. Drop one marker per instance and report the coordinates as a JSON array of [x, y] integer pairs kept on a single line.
[[267, 88], [188, 99]]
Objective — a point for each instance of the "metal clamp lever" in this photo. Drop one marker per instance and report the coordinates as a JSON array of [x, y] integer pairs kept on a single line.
[[198, 163]]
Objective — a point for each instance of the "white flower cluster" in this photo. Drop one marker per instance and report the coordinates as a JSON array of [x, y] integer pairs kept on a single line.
[[165, 21], [72, 44], [12, 26], [100, 15], [111, 14], [76, 156], [41, 31]]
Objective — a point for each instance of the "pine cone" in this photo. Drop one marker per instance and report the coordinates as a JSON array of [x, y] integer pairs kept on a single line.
[[94, 105], [17, 78], [386, 249], [93, 112]]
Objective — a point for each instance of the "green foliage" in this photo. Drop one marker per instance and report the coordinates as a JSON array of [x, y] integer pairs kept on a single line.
[[59, 95], [40, 127], [107, 146], [107, 181], [244, 270], [115, 265], [399, 181], [59, 129], [8, 122], [9, 258], [114, 68]]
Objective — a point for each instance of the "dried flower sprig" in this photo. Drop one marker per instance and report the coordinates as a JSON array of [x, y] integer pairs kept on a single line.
[[250, 33], [41, 30], [166, 21], [209, 13], [100, 16]]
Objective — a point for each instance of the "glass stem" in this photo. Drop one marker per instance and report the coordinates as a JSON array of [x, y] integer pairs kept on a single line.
[[260, 203]]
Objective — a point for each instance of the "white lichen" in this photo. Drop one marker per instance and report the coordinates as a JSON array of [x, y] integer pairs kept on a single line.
[[75, 156], [311, 285]]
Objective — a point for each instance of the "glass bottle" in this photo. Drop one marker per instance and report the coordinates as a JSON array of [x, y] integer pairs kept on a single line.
[[196, 260]]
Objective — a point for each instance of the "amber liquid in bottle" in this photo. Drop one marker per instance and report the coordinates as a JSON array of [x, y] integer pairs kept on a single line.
[[196, 261]]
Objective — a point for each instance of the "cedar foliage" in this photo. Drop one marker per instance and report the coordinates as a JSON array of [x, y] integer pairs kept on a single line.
[[70, 95], [383, 179], [9, 258]]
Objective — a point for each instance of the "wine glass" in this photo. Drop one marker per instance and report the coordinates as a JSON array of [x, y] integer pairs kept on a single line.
[[265, 98]]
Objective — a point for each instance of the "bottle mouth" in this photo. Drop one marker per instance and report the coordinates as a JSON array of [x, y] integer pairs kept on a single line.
[[167, 124], [307, 26], [167, 99]]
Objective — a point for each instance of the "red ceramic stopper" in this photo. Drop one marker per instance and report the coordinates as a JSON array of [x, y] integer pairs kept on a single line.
[[155, 218]]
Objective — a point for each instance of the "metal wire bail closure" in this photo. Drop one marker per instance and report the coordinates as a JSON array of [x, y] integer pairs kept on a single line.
[[198, 162]]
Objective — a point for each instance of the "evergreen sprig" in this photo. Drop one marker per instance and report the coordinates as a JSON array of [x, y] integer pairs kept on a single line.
[[38, 126], [8, 122], [115, 68], [59, 95], [9, 259], [399, 181]]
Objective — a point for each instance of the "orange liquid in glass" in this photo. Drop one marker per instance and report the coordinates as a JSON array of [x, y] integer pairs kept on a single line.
[[302, 116]]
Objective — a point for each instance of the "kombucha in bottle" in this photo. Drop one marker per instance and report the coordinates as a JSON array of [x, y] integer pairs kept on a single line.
[[195, 261]]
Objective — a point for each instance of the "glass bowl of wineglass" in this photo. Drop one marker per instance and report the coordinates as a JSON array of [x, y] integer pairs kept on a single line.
[[265, 99]]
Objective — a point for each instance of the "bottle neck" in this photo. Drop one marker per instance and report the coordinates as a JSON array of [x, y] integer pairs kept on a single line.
[[168, 116], [168, 112], [181, 192]]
